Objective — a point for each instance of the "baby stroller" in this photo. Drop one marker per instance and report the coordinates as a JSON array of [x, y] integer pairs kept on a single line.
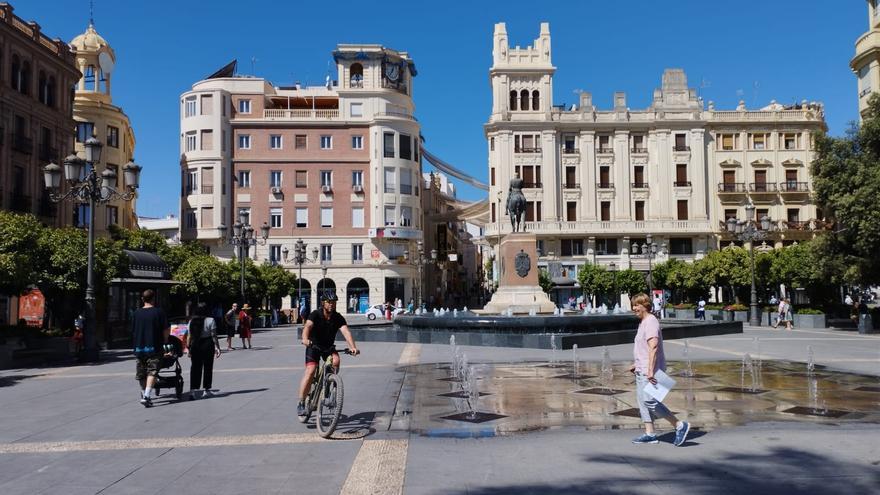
[[169, 380]]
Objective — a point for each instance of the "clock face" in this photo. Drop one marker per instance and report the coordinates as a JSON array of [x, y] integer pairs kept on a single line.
[[392, 72]]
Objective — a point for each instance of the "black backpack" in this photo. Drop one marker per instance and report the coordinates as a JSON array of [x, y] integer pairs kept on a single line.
[[197, 327]]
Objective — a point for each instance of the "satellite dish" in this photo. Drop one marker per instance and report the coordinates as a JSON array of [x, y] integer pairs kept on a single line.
[[106, 62]]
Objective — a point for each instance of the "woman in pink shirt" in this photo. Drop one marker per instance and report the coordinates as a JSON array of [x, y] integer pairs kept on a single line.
[[648, 358]]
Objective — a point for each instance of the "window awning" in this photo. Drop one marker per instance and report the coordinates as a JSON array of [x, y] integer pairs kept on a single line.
[[146, 265]]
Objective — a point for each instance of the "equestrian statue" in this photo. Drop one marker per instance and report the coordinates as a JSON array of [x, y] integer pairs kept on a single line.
[[516, 204]]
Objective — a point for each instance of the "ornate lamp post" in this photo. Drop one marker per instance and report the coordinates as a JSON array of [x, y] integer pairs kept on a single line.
[[649, 250], [93, 189], [749, 230], [419, 261], [243, 237], [300, 258]]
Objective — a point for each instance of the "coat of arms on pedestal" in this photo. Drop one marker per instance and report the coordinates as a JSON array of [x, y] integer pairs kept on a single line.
[[522, 263]]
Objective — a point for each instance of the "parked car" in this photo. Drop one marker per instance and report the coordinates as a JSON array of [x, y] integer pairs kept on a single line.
[[378, 311]]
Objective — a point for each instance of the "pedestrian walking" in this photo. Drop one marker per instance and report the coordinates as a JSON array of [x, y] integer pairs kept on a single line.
[[78, 336], [657, 306], [352, 304], [780, 312], [244, 326], [231, 319], [701, 308], [648, 359], [150, 332], [785, 313], [204, 346]]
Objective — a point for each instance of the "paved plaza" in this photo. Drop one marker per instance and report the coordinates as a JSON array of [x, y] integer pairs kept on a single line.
[[80, 429]]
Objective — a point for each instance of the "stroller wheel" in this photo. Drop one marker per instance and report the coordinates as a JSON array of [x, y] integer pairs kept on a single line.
[[178, 389]]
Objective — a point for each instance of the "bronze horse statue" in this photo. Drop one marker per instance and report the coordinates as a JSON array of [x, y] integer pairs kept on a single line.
[[516, 204]]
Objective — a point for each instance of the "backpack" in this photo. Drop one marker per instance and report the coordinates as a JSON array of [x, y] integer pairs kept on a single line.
[[197, 327]]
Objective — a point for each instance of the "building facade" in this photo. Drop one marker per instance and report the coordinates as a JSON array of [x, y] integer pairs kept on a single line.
[[96, 115], [866, 62], [598, 181], [337, 166]]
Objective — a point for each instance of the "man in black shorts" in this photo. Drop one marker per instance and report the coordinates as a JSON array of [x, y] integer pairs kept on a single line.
[[150, 331], [320, 329]]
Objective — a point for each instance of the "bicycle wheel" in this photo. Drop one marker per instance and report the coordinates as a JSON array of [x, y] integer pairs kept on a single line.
[[329, 406]]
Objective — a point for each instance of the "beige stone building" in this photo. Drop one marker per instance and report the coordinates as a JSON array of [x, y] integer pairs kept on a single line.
[[866, 62], [597, 181], [95, 114], [336, 165]]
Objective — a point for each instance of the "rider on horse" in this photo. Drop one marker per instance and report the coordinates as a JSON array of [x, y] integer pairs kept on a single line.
[[516, 203]]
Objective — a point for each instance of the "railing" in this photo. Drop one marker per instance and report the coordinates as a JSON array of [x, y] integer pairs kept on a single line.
[[300, 114], [399, 115], [682, 183], [47, 153], [207, 189], [608, 226], [767, 115], [532, 185], [791, 186], [795, 225], [601, 150], [571, 185], [639, 150], [639, 185], [604, 185], [731, 187], [570, 151], [681, 148], [527, 150], [762, 187], [22, 144], [20, 203]]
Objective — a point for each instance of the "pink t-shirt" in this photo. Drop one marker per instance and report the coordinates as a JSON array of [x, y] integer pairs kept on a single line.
[[649, 328]]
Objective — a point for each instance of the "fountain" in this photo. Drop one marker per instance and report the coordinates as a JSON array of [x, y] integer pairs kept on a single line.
[[464, 310], [455, 313], [689, 366], [473, 393], [574, 359], [811, 365], [603, 309], [553, 349], [617, 309], [532, 312], [606, 375]]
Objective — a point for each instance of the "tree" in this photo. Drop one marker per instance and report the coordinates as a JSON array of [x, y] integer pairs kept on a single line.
[[846, 183], [278, 282], [594, 280], [545, 281], [204, 278], [176, 256], [631, 281], [139, 240], [19, 251], [729, 267]]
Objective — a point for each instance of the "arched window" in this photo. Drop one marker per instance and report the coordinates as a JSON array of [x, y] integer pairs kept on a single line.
[[513, 99], [89, 77], [42, 89], [356, 79], [25, 78], [51, 91], [15, 76], [536, 100], [524, 99]]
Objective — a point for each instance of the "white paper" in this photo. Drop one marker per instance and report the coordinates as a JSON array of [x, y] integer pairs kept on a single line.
[[663, 386]]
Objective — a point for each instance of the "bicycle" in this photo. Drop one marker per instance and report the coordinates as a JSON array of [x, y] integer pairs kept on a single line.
[[325, 395]]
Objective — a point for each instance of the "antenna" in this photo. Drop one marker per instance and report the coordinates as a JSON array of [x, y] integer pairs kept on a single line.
[[92, 12], [755, 86], [704, 83], [253, 66]]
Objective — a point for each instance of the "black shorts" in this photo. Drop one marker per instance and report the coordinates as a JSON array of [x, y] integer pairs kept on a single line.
[[313, 355]]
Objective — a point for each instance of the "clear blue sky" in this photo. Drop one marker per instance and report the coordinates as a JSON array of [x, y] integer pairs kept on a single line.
[[786, 50]]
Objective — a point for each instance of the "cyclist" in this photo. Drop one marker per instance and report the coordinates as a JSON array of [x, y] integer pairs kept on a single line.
[[320, 329]]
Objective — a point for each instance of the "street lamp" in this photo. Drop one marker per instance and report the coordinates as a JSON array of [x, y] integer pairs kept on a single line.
[[244, 237], [749, 230], [93, 189], [299, 258], [649, 250], [419, 261]]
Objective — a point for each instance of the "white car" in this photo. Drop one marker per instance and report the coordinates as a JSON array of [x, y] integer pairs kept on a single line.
[[378, 311]]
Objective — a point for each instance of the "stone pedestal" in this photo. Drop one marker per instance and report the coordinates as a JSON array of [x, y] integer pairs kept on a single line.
[[518, 286]]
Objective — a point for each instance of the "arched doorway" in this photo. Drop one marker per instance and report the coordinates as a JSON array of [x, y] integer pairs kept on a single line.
[[325, 286], [359, 290], [302, 298]]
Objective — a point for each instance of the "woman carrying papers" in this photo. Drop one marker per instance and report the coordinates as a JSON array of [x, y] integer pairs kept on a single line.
[[649, 367]]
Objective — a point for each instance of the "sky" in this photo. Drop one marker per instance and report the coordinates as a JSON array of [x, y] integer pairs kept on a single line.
[[755, 50]]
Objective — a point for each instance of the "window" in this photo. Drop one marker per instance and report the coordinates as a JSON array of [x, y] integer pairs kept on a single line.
[[791, 176], [326, 142], [112, 136], [571, 211], [301, 177], [390, 180], [84, 130], [302, 217], [326, 178], [682, 209], [513, 100], [326, 217], [326, 252], [275, 141], [275, 218], [406, 216], [244, 178], [405, 147], [681, 142], [223, 107], [190, 218], [572, 247], [190, 106], [760, 141], [405, 182], [274, 253], [638, 144], [190, 138], [275, 178], [299, 141], [388, 140], [356, 76], [192, 181], [604, 177], [244, 106], [681, 246], [605, 211], [681, 175], [639, 211], [569, 145], [357, 109], [491, 176], [527, 143], [390, 216], [730, 213], [536, 100], [222, 141], [760, 181], [793, 214], [112, 215], [524, 99], [606, 246], [244, 141], [357, 142], [244, 214], [790, 141], [357, 254], [207, 139], [491, 144], [727, 142], [357, 178], [605, 144], [493, 213], [207, 102], [639, 176], [357, 217], [865, 78]]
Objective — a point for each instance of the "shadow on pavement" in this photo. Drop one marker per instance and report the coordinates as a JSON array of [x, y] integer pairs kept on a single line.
[[10, 380], [777, 470], [234, 392], [355, 426]]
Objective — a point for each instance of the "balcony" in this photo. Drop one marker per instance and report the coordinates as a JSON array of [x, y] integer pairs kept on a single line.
[[639, 151], [20, 203], [48, 154], [681, 148], [570, 151], [605, 150], [300, 114], [527, 150], [532, 185], [622, 227], [731, 187], [207, 189], [639, 185], [571, 185], [794, 187], [396, 115], [795, 225], [22, 144], [604, 185], [762, 187], [682, 183]]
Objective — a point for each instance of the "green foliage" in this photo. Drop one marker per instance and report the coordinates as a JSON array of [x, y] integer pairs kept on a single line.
[[846, 182], [595, 280], [809, 311], [139, 240], [175, 256], [736, 307], [631, 282], [65, 252], [684, 306], [544, 280], [277, 281], [19, 251], [205, 278]]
